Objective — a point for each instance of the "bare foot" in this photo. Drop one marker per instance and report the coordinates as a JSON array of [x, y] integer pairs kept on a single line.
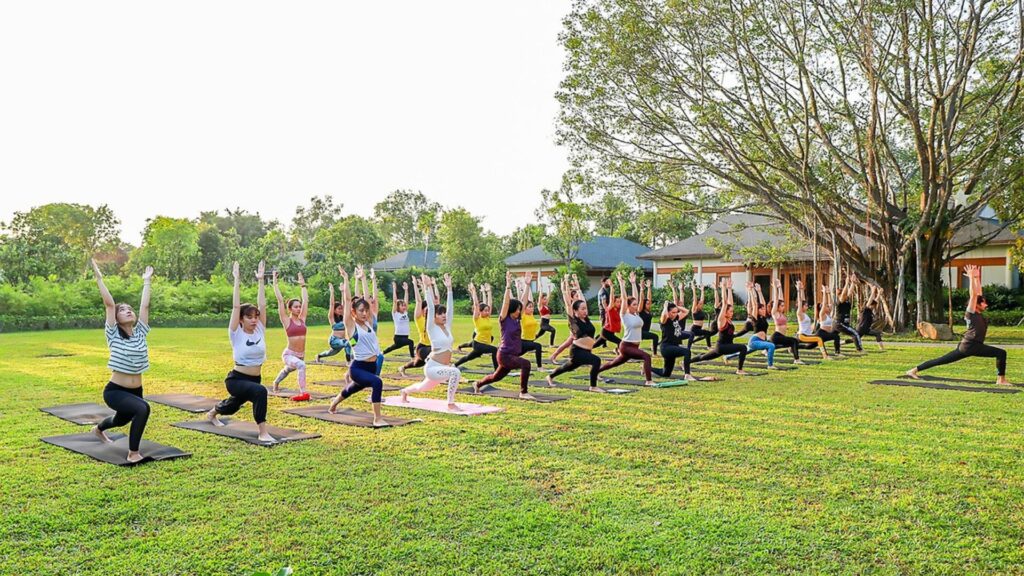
[[134, 457], [598, 390], [741, 373], [526, 396], [689, 377], [453, 407], [101, 435], [773, 367], [912, 373], [551, 382], [380, 423], [405, 396], [401, 371], [266, 438], [212, 417], [649, 383], [334, 404], [799, 362], [1003, 381]]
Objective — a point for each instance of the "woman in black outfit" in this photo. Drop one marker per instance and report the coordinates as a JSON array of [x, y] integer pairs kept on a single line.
[[673, 322], [865, 325], [645, 315], [699, 318], [726, 332], [583, 332]]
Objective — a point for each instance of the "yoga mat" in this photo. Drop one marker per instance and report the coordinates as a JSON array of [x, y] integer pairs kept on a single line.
[[342, 383], [114, 452], [186, 402], [288, 393], [245, 431], [330, 363], [391, 376], [941, 386], [586, 388], [441, 406], [85, 413], [930, 378], [499, 393], [347, 416]]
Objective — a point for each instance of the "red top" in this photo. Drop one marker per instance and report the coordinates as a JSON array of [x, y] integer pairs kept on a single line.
[[545, 311], [295, 328], [612, 320]]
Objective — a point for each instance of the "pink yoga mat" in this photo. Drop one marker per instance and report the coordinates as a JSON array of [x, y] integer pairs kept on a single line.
[[440, 405]]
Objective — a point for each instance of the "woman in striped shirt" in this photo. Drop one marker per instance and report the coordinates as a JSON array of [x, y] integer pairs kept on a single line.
[[129, 358]]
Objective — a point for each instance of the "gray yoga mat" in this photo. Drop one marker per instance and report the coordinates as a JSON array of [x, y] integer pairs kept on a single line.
[[114, 452], [930, 378], [347, 416], [245, 431], [500, 393], [586, 388], [941, 386], [186, 402], [288, 393], [387, 387], [82, 414]]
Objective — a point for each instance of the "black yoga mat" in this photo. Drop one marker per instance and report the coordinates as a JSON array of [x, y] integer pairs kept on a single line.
[[347, 416], [288, 393], [186, 402], [387, 387], [500, 393], [85, 413], [245, 431], [114, 452], [391, 376], [941, 386], [930, 378], [586, 388]]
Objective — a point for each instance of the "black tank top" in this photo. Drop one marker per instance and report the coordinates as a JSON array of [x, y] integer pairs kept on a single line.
[[843, 310], [581, 328], [699, 315], [761, 325], [726, 333]]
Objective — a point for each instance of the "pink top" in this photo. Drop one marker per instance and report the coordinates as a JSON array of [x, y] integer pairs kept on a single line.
[[295, 328]]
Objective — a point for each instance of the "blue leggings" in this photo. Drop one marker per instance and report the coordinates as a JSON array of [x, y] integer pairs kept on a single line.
[[364, 374], [756, 343]]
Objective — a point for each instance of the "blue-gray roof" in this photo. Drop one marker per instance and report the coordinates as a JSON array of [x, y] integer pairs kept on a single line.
[[601, 252], [423, 260]]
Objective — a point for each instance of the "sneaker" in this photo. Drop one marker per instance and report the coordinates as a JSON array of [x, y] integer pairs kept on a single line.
[[800, 362]]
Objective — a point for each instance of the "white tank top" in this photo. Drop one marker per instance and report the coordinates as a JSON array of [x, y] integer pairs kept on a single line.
[[365, 346], [249, 349], [634, 326], [805, 324], [441, 338], [826, 321]]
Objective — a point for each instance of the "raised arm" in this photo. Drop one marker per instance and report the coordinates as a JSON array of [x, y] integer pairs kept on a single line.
[[566, 295], [416, 293], [394, 295], [236, 299], [528, 287], [973, 274], [489, 296], [330, 307], [346, 304], [109, 306], [305, 298], [718, 301], [751, 301], [282, 312], [507, 297], [475, 300], [633, 290], [450, 302], [726, 286], [405, 294], [147, 278], [261, 293], [374, 300]]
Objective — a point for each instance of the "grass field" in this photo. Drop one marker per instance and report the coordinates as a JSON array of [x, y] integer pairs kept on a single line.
[[807, 471]]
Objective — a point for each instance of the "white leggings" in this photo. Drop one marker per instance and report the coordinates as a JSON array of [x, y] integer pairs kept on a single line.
[[292, 362], [434, 373]]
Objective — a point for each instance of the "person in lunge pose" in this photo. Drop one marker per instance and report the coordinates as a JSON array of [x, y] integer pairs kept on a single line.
[[439, 364], [844, 311], [337, 341], [779, 337], [582, 337], [529, 323], [973, 341], [366, 349], [806, 333], [423, 348], [629, 346], [647, 317], [700, 317], [247, 331], [129, 358], [757, 323], [673, 333], [826, 324], [865, 324], [400, 317], [293, 320], [483, 327], [511, 344], [545, 317], [726, 332]]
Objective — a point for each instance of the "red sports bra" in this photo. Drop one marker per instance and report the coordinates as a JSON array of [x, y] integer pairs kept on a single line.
[[295, 328], [545, 311]]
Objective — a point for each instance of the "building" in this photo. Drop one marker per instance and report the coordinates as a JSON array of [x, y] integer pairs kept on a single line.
[[425, 260], [601, 256], [702, 252]]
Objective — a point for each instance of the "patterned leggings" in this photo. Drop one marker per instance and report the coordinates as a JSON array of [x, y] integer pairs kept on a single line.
[[434, 374]]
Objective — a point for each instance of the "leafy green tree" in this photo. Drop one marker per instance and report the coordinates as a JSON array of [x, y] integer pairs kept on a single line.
[[215, 249], [247, 227], [407, 220], [566, 218], [467, 252], [524, 238], [170, 246], [47, 257], [61, 237], [321, 213], [350, 241]]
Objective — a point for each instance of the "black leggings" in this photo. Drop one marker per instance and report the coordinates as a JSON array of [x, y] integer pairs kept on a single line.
[[651, 336], [479, 349], [531, 345], [606, 337], [547, 328], [825, 336], [846, 329], [699, 333], [670, 352], [966, 351], [128, 406], [782, 341], [579, 357], [244, 388], [724, 350], [420, 358], [401, 342], [862, 332]]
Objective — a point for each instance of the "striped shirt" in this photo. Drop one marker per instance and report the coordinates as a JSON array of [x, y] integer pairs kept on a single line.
[[128, 355]]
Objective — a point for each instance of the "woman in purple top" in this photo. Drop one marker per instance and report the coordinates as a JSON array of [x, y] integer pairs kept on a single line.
[[511, 344]]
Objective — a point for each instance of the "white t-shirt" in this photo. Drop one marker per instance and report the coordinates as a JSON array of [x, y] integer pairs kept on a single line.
[[633, 325], [401, 323], [249, 349]]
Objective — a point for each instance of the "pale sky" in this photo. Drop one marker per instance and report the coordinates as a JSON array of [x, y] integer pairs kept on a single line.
[[176, 107]]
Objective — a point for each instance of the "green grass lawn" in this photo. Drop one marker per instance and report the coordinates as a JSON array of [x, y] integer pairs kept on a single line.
[[810, 471]]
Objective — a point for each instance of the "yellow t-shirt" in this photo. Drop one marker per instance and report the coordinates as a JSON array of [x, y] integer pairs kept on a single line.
[[421, 327], [530, 326], [483, 329]]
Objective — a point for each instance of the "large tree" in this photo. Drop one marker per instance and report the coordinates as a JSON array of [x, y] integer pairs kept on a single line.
[[467, 252], [408, 220], [62, 237], [567, 218], [350, 241], [321, 213], [170, 246], [873, 126]]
